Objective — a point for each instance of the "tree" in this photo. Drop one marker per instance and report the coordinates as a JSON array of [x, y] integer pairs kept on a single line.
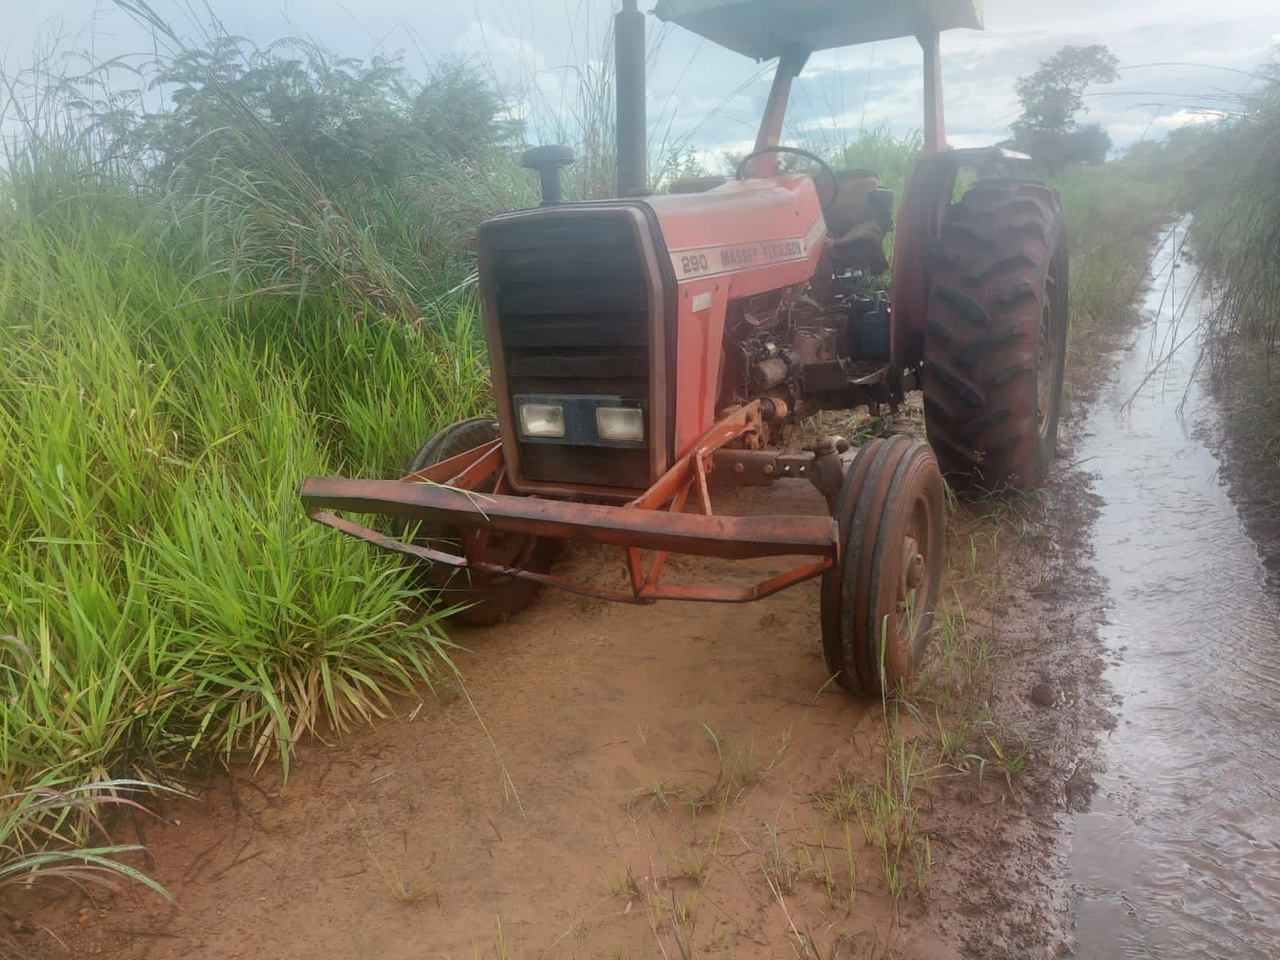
[[1053, 97]]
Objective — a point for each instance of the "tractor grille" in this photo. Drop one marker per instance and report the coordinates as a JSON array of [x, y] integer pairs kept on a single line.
[[573, 309]]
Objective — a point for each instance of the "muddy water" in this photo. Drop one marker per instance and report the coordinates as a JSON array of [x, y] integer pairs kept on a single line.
[[1179, 855]]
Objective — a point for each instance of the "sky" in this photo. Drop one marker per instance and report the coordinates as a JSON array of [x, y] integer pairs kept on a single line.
[[1181, 61]]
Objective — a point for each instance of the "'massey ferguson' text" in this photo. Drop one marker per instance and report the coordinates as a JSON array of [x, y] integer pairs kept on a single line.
[[716, 260]]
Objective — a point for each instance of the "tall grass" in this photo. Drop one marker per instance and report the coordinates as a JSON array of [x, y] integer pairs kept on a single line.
[[1234, 192], [163, 595], [1112, 214], [1237, 227], [176, 353], [890, 157]]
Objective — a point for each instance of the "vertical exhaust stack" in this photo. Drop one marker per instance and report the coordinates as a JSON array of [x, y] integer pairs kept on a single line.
[[629, 57]]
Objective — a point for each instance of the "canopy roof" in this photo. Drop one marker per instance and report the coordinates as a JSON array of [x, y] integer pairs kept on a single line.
[[764, 29]]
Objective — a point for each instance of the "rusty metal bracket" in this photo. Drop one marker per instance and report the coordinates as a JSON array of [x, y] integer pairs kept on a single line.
[[758, 468], [727, 538], [643, 592]]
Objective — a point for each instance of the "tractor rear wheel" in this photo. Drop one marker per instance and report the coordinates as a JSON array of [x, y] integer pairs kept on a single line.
[[877, 604], [995, 344], [482, 598]]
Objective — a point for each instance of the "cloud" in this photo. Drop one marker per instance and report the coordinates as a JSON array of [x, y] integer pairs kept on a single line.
[[1180, 59], [1255, 54]]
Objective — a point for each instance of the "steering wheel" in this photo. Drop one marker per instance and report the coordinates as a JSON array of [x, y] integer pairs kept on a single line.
[[823, 167]]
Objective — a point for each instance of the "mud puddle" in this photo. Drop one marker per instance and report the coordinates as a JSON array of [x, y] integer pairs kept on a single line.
[[1179, 855]]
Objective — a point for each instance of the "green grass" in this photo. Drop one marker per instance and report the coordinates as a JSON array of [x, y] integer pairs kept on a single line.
[[1237, 224], [1113, 213], [1234, 193], [177, 354], [164, 594], [38, 820], [890, 157]]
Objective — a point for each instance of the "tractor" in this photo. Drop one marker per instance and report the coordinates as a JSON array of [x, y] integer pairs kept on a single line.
[[648, 351]]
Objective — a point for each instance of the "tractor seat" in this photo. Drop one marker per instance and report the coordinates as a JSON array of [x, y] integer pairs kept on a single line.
[[859, 199], [858, 220]]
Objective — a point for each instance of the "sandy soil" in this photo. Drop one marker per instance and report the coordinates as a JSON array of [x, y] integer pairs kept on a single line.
[[669, 781]]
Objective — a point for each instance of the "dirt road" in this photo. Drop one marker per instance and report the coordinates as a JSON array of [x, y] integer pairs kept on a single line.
[[669, 781]]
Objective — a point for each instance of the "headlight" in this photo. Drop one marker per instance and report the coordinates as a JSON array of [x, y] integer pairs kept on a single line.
[[620, 423], [542, 420]]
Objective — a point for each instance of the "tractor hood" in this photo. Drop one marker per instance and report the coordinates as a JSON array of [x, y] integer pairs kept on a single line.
[[765, 29]]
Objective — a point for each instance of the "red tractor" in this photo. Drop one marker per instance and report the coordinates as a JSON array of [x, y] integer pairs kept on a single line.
[[645, 346]]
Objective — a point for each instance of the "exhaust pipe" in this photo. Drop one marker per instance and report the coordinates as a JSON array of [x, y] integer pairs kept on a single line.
[[628, 32]]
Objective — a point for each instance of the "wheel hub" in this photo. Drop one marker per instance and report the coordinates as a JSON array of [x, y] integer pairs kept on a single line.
[[913, 570]]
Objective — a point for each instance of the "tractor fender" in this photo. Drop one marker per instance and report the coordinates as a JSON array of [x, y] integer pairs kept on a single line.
[[929, 193]]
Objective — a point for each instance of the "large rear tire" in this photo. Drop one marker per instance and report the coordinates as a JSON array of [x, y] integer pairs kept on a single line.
[[995, 344], [877, 604], [482, 599]]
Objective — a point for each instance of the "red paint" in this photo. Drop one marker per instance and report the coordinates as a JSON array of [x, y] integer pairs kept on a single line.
[[745, 238], [935, 124]]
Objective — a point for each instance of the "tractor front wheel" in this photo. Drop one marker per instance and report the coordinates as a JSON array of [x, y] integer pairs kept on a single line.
[[996, 339], [877, 603], [480, 599]]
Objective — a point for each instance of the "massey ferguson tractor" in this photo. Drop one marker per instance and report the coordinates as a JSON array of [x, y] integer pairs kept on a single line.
[[650, 350]]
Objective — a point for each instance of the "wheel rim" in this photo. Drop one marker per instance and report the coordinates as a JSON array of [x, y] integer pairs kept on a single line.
[[1046, 365], [503, 549], [475, 597], [919, 574]]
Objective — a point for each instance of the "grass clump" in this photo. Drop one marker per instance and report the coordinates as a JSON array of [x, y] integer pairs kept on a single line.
[[1113, 213], [1236, 198], [1234, 193], [199, 306], [39, 820], [164, 594]]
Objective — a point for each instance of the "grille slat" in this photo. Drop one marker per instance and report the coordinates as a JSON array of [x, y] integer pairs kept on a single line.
[[533, 333], [602, 364], [591, 296], [573, 312], [602, 260]]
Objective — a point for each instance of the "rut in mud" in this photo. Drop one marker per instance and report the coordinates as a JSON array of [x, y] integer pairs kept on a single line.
[[1180, 853]]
